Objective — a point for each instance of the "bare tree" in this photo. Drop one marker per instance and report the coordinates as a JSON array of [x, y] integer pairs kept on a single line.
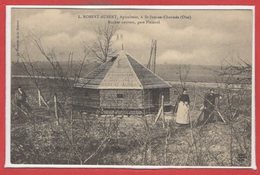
[[184, 71], [64, 118], [102, 48], [237, 80]]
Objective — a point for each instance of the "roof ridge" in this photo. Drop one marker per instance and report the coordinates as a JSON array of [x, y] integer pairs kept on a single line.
[[121, 57], [136, 77], [102, 64], [94, 69], [149, 70]]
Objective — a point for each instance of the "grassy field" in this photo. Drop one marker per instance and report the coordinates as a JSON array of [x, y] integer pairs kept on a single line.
[[91, 139]]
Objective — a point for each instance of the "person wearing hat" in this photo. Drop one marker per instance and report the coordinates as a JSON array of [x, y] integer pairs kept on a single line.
[[209, 106], [182, 117], [21, 100]]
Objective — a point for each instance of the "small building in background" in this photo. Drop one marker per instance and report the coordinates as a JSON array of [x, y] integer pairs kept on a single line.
[[121, 86]]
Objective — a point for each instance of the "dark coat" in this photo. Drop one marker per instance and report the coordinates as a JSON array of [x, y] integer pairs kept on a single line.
[[184, 98], [209, 100], [20, 97]]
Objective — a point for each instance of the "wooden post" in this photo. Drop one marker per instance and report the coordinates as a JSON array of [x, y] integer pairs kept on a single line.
[[151, 54], [163, 116], [161, 113], [165, 149], [158, 115], [55, 108], [154, 59], [39, 98], [42, 99]]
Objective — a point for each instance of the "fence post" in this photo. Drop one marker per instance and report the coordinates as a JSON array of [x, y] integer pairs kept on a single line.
[[161, 113], [55, 109], [39, 98], [163, 116]]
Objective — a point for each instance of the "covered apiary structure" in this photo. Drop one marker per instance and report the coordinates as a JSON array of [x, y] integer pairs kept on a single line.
[[121, 86]]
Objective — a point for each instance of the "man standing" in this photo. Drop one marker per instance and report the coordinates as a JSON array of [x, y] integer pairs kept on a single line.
[[209, 106], [21, 100]]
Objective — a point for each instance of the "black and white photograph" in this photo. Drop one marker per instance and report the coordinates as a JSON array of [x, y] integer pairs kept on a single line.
[[130, 87]]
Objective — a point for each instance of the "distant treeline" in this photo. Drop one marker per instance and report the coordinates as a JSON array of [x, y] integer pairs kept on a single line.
[[169, 72]]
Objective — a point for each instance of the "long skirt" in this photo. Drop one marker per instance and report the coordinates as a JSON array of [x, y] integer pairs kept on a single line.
[[182, 113]]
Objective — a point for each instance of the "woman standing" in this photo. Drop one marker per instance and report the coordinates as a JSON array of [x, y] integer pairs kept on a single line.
[[182, 117]]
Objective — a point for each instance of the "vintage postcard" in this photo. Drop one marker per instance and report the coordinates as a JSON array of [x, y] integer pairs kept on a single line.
[[130, 87]]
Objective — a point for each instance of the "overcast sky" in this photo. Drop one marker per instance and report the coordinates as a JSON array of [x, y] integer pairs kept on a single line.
[[206, 39]]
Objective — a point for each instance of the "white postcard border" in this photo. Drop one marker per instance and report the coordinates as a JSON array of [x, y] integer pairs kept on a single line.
[[8, 163]]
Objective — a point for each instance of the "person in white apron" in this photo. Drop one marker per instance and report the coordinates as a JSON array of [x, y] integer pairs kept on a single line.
[[182, 117]]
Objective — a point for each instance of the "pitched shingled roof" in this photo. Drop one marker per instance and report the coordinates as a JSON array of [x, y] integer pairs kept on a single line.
[[122, 72]]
